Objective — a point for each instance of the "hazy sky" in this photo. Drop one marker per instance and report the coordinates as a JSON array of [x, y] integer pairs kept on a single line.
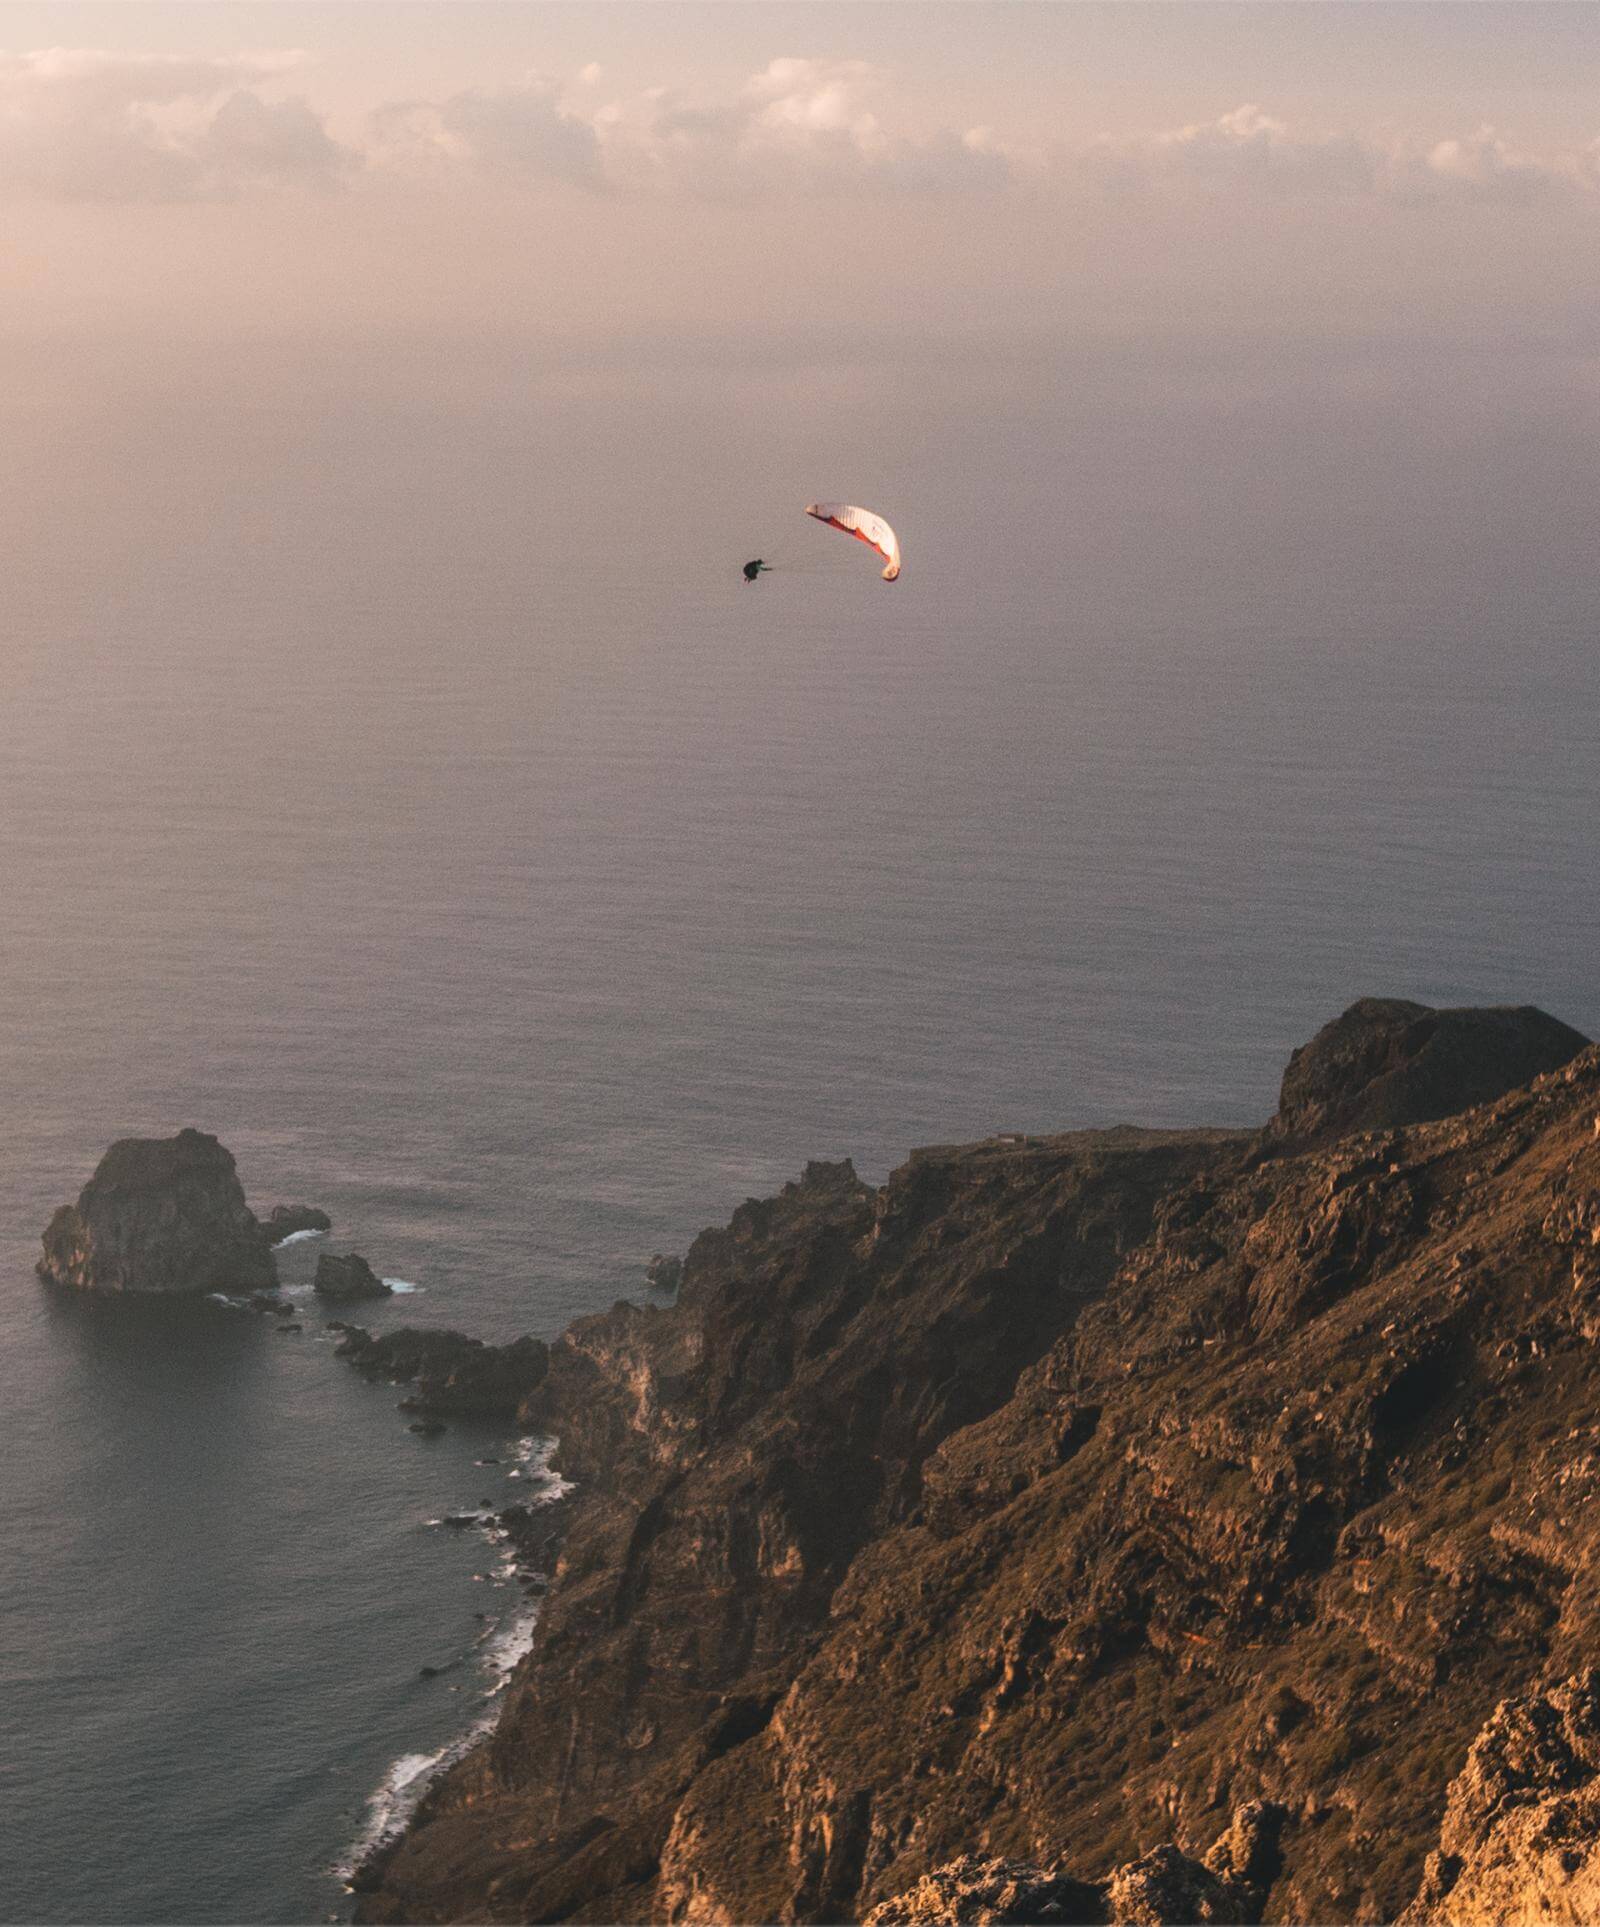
[[749, 174]]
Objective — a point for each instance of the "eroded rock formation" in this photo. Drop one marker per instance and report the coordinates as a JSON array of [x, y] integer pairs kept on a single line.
[[1072, 1503], [455, 1376], [160, 1215]]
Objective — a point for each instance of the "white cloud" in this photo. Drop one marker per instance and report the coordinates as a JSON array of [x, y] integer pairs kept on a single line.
[[1250, 149], [1483, 163], [78, 124], [797, 125]]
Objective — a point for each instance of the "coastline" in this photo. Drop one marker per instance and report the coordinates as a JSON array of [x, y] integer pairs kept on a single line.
[[523, 1556], [1071, 1441]]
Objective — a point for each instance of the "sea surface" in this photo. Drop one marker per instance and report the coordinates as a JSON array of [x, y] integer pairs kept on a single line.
[[398, 780]]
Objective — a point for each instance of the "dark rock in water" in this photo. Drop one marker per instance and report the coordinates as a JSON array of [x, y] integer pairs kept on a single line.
[[160, 1215], [455, 1376], [428, 1428], [283, 1330], [347, 1277], [269, 1303], [664, 1274], [284, 1220], [1386, 1063]]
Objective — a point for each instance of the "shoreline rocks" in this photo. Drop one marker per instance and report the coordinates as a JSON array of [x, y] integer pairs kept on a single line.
[[160, 1216], [455, 1376], [286, 1221], [664, 1274], [347, 1278]]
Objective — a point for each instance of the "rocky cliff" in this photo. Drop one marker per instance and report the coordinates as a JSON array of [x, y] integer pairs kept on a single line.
[[1025, 1534], [160, 1215]]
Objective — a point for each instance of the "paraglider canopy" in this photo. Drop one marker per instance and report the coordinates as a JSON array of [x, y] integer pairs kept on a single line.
[[866, 527]]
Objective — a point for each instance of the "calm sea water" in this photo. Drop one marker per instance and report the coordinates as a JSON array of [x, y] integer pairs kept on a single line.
[[397, 779]]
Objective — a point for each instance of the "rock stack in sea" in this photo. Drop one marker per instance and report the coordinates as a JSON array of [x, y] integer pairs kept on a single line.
[[347, 1277], [160, 1215]]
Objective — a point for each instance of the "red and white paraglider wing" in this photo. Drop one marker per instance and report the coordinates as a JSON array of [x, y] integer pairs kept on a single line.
[[865, 527]]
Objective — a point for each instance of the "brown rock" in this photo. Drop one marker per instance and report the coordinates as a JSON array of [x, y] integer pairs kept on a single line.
[[1520, 1841], [1097, 1491]]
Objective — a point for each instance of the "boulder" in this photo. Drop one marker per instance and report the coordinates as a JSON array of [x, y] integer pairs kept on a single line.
[[291, 1220], [1385, 1063], [160, 1215], [347, 1277]]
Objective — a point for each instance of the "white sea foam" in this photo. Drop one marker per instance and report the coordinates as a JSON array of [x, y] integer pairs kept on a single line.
[[506, 1649], [297, 1238], [399, 1795], [501, 1649], [401, 1285], [534, 1456]]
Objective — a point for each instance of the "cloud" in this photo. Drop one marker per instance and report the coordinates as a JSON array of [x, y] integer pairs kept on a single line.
[[81, 125], [798, 125], [523, 132], [1249, 149]]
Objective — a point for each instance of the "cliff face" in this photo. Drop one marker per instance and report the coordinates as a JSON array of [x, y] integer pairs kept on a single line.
[[160, 1215], [1063, 1500]]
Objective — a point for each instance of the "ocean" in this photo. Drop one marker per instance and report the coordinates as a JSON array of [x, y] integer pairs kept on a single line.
[[398, 780]]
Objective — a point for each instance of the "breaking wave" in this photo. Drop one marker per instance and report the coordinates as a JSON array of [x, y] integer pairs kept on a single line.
[[501, 1649]]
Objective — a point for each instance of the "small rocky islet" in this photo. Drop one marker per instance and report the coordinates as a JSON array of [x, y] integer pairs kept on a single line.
[[1137, 1526], [167, 1217]]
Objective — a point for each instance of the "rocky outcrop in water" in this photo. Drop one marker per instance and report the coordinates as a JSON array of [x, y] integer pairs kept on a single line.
[[663, 1273], [347, 1277], [291, 1221], [160, 1215], [1076, 1502], [455, 1376]]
